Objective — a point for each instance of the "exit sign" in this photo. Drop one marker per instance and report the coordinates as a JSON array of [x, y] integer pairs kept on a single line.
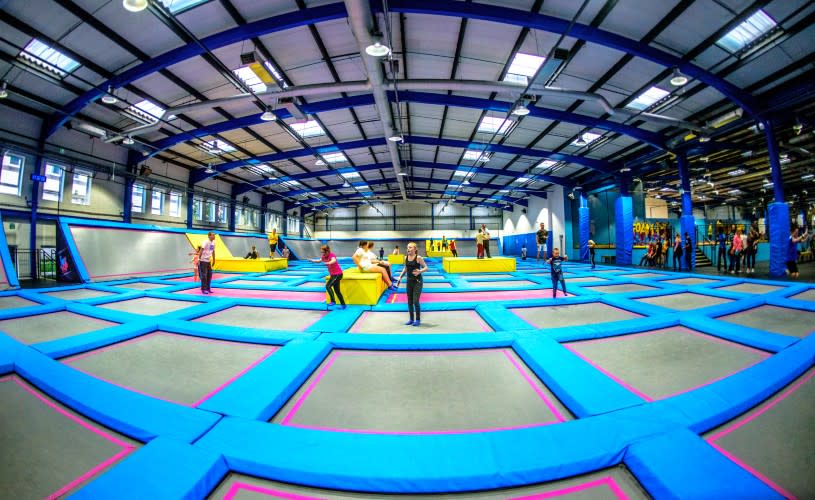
[[38, 178]]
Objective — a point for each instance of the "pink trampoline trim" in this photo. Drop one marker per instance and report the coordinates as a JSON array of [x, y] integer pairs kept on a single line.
[[500, 295], [235, 489], [126, 448], [330, 361], [354, 329], [237, 293], [607, 481], [736, 425], [215, 276]]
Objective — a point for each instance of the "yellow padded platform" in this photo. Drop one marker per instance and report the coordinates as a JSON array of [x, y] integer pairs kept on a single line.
[[474, 265], [431, 253], [396, 259], [221, 250], [249, 265], [360, 288]]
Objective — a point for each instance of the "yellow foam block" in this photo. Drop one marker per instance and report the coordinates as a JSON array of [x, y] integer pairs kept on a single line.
[[474, 265], [396, 259], [446, 253], [360, 288], [221, 250], [249, 265]]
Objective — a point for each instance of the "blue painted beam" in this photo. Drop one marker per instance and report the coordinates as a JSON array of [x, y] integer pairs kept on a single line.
[[262, 27], [551, 24]]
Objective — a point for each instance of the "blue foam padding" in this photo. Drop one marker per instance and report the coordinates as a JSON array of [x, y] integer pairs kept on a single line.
[[230, 333], [753, 337], [40, 297], [338, 320], [584, 222], [738, 305], [628, 303], [581, 387], [76, 344], [679, 464], [500, 318], [135, 415], [778, 218], [104, 313], [162, 469], [418, 342], [793, 305], [22, 312], [8, 353], [624, 229], [5, 257], [204, 309], [107, 299], [612, 328], [795, 290], [263, 390], [424, 463]]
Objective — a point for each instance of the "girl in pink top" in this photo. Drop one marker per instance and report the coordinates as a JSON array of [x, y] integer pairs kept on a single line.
[[738, 247], [334, 275]]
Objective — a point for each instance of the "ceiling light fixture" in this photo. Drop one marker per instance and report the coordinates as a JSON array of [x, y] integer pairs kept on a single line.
[[346, 184], [521, 108], [396, 138], [580, 141], [4, 90], [704, 138], [377, 49], [319, 162], [135, 5], [678, 79], [625, 169], [127, 141], [268, 116], [403, 174], [209, 169], [109, 98]]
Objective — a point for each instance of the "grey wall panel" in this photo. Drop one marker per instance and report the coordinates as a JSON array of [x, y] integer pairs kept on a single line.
[[110, 253], [304, 249], [241, 245]]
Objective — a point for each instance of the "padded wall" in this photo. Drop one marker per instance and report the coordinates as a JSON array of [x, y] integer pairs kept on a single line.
[[779, 224], [242, 245], [624, 219], [8, 275], [584, 220], [303, 249]]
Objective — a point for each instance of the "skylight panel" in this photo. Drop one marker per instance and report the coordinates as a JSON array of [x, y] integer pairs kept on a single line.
[[264, 168], [308, 129], [218, 146], [291, 184], [276, 74], [588, 138], [475, 155], [332, 158], [523, 67], [747, 32], [546, 164], [492, 124], [462, 173], [146, 111], [43, 56], [521, 180], [648, 98], [176, 6], [350, 175], [249, 77]]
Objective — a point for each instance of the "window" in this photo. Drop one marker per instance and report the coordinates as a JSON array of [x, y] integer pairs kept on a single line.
[[44, 57], [523, 67], [223, 210], [146, 112], [255, 218], [492, 124], [210, 211], [474, 155], [157, 202], [137, 198], [198, 209], [647, 98], [747, 32], [332, 158], [308, 129], [81, 189], [176, 6], [52, 189], [11, 175], [175, 204], [240, 216], [249, 77]]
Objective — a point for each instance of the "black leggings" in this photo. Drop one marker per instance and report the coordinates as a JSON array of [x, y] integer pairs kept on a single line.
[[333, 286], [722, 258], [677, 260], [414, 293], [205, 271], [555, 279], [750, 260], [591, 256]]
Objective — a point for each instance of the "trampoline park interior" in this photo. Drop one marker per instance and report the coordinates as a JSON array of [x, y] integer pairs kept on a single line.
[[128, 130]]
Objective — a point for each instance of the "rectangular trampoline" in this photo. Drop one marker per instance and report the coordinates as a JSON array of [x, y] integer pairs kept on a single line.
[[268, 318], [432, 322], [571, 315], [51, 326], [476, 296]]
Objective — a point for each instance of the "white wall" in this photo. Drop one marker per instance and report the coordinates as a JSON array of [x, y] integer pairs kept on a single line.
[[548, 210], [656, 208]]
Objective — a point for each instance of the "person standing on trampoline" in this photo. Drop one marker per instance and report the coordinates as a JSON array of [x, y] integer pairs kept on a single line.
[[688, 251], [453, 249], [272, 242], [395, 250], [722, 255], [332, 286], [486, 239], [196, 263], [206, 259], [479, 245], [792, 250], [556, 266], [541, 238], [678, 252], [592, 244], [414, 267]]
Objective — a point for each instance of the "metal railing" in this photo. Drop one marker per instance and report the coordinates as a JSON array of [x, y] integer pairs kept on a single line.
[[43, 261]]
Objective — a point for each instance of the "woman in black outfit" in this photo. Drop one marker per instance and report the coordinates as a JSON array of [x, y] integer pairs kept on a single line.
[[688, 251], [414, 267]]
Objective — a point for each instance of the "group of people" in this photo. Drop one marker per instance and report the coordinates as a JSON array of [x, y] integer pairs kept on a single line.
[[739, 248], [482, 242], [660, 248], [443, 245]]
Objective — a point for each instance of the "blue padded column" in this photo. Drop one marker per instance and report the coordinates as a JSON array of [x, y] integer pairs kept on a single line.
[[624, 225], [686, 222], [583, 221], [778, 221], [230, 217], [775, 162]]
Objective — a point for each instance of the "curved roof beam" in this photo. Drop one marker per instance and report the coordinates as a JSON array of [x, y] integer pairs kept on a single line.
[[551, 24], [258, 28]]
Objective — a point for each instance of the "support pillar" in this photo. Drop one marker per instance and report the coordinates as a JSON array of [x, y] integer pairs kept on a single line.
[[262, 220], [778, 220], [32, 234], [584, 221], [624, 225], [230, 217], [356, 218], [687, 223]]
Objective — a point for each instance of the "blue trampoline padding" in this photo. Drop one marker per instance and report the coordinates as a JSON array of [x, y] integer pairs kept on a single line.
[[162, 469], [263, 390], [76, 344], [40, 297], [582, 388], [413, 342], [424, 463], [107, 299], [766, 341], [8, 353], [5, 257], [22, 312], [204, 309], [135, 415], [584, 222], [679, 464], [793, 305], [635, 306], [501, 319], [624, 229], [612, 328], [338, 320], [714, 404], [778, 218], [104, 313], [230, 333]]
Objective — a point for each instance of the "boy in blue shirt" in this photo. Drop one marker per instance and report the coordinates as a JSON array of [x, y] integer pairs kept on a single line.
[[556, 265], [722, 251]]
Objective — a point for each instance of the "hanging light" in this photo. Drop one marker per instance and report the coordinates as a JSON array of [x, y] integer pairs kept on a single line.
[[580, 141], [346, 184], [678, 79], [268, 116], [319, 162], [521, 108], [135, 5], [109, 98], [4, 90], [209, 169], [127, 140], [396, 137], [377, 49]]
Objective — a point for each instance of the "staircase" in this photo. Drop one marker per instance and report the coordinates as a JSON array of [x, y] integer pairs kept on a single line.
[[701, 259]]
